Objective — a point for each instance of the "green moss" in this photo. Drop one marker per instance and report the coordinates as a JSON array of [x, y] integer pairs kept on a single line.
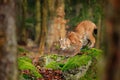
[[93, 52], [25, 77], [25, 58], [53, 65], [24, 63], [76, 61], [61, 65]]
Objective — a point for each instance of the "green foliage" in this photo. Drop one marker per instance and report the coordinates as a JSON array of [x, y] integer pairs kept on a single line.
[[76, 61], [24, 63]]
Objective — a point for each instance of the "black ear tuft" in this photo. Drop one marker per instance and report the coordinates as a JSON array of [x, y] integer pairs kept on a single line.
[[95, 31]]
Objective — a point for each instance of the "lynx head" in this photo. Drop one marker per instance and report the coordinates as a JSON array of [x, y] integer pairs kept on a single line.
[[64, 43]]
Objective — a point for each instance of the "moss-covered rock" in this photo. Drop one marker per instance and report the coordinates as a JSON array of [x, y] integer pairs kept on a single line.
[[54, 61], [76, 61], [83, 67], [92, 72], [25, 63], [79, 67], [76, 73]]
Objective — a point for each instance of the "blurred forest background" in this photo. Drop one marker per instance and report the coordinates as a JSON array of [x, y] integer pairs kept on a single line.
[[35, 19], [32, 24]]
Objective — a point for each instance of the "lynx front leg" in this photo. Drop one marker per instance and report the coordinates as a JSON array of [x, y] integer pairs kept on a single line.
[[92, 40]]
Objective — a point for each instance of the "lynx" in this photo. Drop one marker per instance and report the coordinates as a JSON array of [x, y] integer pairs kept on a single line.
[[82, 33]]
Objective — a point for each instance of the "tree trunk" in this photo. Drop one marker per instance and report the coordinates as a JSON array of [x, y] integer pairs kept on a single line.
[[56, 29], [113, 40], [8, 65], [59, 3], [38, 23], [49, 40], [24, 14], [43, 26]]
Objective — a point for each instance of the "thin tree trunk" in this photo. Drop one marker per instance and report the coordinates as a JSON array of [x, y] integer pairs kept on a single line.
[[43, 27], [99, 33], [38, 23], [19, 20], [24, 14], [8, 65]]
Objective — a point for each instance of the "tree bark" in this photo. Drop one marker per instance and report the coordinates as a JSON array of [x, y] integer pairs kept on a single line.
[[51, 11], [23, 29], [56, 29], [113, 40], [43, 26], [99, 33], [38, 23], [8, 64]]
